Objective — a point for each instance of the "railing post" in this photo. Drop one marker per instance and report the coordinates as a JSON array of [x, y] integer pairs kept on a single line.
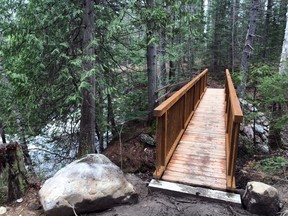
[[234, 117], [161, 140]]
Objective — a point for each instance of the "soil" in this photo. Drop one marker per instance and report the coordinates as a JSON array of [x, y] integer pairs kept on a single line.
[[150, 203]]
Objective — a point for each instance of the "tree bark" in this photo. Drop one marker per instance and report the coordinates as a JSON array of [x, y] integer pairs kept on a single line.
[[267, 28], [234, 13], [2, 133], [111, 116], [248, 47], [283, 66], [23, 142], [87, 121], [13, 176], [151, 63]]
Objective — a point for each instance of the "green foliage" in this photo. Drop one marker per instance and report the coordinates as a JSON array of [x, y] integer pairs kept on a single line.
[[272, 165], [273, 91], [152, 128]]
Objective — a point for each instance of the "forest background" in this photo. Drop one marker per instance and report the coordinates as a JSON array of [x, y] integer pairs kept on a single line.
[[77, 72]]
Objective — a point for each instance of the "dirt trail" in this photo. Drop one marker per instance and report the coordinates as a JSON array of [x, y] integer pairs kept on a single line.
[[150, 204]]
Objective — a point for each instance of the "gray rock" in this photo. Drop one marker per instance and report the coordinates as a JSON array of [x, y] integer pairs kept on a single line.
[[261, 114], [262, 199], [265, 123], [263, 119], [263, 148], [252, 108], [241, 127], [3, 210], [92, 183], [145, 138], [264, 138], [258, 139], [248, 131], [259, 129], [243, 102]]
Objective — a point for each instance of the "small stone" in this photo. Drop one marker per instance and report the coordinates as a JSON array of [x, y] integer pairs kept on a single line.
[[264, 137], [252, 108], [261, 114], [3, 210], [19, 200], [259, 129], [35, 206], [260, 198], [249, 131], [243, 102], [145, 138], [263, 148], [241, 127], [265, 123], [258, 139], [263, 119]]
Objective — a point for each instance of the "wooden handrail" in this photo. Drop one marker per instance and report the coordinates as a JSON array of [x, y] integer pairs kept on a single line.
[[233, 118], [173, 116]]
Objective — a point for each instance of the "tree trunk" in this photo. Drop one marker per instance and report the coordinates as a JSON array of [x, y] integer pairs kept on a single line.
[[13, 179], [274, 138], [248, 47], [172, 70], [87, 121], [2, 133], [267, 29], [234, 13], [111, 117], [283, 66], [151, 63], [23, 142]]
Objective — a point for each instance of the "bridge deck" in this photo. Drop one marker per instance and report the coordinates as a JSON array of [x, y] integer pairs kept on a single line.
[[200, 157]]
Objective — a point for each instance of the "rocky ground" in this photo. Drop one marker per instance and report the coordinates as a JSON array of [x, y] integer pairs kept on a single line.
[[139, 158], [150, 203]]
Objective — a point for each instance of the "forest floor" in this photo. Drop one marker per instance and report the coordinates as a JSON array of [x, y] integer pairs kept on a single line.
[[137, 160]]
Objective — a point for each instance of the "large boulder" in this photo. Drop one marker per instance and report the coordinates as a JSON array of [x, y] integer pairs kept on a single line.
[[262, 199], [92, 183]]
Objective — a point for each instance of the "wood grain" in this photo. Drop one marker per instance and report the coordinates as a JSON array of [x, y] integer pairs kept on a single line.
[[200, 157]]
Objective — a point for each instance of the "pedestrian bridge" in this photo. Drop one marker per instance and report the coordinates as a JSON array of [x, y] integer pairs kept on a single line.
[[197, 135]]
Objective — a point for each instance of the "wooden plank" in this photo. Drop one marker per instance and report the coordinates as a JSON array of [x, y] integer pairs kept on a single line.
[[195, 172], [205, 133], [207, 145], [196, 191], [220, 142], [221, 170], [221, 173], [216, 183], [204, 163], [198, 151]]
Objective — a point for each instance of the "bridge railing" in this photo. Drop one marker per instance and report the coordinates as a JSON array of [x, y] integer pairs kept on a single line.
[[233, 118], [173, 116]]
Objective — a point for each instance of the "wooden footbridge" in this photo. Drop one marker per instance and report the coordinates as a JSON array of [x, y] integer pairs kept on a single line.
[[197, 135]]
